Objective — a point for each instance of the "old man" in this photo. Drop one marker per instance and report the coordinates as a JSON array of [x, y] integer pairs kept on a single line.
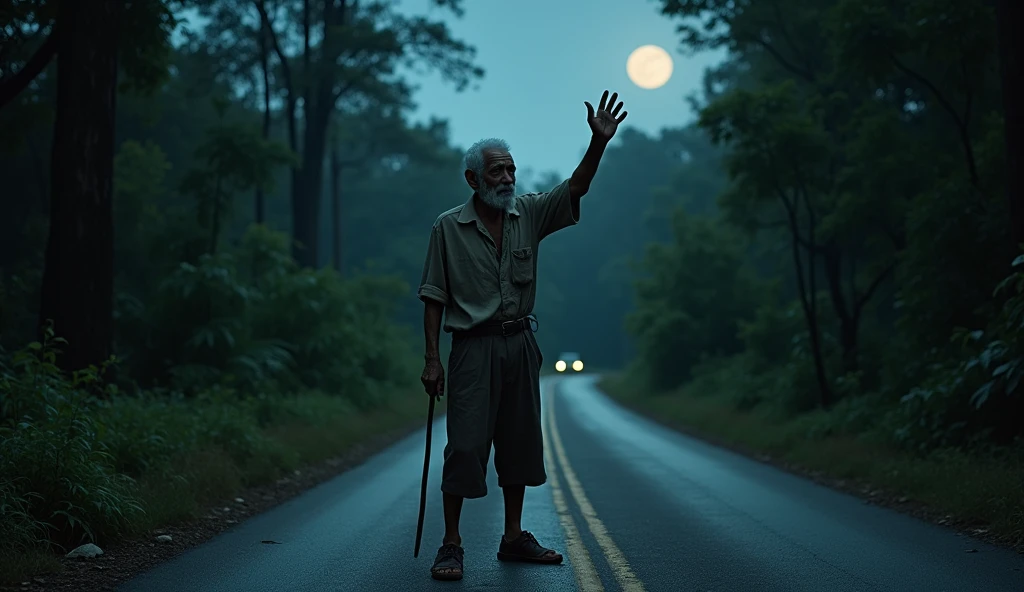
[[479, 273]]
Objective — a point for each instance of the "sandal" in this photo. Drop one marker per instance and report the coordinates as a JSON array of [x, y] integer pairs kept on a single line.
[[526, 548], [448, 564]]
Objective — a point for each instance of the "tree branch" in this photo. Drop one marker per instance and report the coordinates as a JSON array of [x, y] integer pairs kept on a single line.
[[789, 40], [758, 225], [11, 88], [961, 125], [873, 286], [785, 63], [791, 210], [286, 69]]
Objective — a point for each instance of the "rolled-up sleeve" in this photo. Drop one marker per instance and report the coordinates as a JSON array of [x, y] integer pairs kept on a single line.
[[434, 283], [553, 211]]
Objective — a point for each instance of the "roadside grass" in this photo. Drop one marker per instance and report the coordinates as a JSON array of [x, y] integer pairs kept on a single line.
[[984, 493], [183, 456]]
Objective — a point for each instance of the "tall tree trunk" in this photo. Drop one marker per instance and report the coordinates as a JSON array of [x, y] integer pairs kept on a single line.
[[824, 390], [78, 277], [336, 206], [319, 100], [808, 297], [848, 321], [307, 201], [215, 216], [290, 109], [1010, 19], [265, 66]]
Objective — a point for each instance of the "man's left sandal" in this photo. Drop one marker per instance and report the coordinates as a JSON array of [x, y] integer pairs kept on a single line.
[[526, 548]]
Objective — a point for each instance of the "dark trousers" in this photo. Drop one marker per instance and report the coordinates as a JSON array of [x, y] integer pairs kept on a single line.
[[493, 397]]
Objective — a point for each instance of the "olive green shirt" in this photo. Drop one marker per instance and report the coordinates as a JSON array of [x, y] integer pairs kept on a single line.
[[462, 270]]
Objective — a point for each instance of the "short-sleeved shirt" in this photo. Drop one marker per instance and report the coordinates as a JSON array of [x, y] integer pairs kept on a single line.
[[462, 270]]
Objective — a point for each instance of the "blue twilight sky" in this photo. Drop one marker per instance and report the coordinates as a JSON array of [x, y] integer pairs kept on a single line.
[[542, 59]]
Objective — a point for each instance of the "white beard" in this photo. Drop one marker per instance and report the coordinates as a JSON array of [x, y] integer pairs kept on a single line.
[[500, 197]]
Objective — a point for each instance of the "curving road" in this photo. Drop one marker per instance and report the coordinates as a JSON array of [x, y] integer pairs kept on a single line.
[[633, 506]]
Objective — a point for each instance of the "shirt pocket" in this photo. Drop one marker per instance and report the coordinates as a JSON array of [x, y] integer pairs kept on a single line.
[[522, 266]]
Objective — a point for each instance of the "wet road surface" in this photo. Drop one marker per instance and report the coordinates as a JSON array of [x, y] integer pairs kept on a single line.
[[632, 505]]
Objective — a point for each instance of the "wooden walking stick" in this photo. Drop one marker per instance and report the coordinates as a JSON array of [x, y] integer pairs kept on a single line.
[[423, 485]]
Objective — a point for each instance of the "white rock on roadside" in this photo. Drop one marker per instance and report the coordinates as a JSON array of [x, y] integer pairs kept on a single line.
[[86, 551], [164, 538], [239, 500]]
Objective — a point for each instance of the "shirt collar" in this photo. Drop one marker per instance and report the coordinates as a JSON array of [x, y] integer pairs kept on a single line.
[[468, 213]]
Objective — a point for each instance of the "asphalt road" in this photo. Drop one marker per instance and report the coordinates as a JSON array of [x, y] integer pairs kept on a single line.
[[632, 505]]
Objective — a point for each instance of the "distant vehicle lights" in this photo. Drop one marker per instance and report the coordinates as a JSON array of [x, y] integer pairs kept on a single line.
[[569, 360]]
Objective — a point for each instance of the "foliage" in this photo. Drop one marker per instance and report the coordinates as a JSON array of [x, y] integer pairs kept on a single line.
[[57, 478], [864, 147], [84, 462], [689, 306], [235, 158], [974, 399], [251, 319]]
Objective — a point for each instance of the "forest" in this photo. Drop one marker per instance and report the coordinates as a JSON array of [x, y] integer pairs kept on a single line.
[[851, 301], [213, 235]]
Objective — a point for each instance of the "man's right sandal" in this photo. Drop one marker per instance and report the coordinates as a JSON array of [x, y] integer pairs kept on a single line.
[[448, 564]]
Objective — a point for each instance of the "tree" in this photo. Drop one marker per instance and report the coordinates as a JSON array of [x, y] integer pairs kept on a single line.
[[78, 281], [340, 53], [377, 136], [235, 158], [851, 75], [690, 302], [1010, 18], [77, 286]]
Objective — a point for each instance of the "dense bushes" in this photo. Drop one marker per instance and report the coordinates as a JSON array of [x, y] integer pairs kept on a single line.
[[694, 292], [249, 318], [967, 396], [83, 461], [233, 365]]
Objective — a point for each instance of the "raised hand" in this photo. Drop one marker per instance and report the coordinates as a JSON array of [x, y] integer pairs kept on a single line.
[[606, 119]]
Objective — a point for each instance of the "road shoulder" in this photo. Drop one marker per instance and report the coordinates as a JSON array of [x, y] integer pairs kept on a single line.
[[863, 480], [125, 559]]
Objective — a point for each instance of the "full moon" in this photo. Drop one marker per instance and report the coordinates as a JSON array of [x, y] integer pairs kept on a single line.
[[649, 66]]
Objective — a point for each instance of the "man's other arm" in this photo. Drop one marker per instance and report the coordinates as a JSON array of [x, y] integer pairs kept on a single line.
[[432, 314], [433, 289], [433, 292]]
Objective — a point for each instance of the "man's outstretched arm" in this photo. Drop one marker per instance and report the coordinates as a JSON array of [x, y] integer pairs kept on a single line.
[[603, 125]]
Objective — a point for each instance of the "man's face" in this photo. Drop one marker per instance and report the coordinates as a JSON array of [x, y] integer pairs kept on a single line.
[[498, 186]]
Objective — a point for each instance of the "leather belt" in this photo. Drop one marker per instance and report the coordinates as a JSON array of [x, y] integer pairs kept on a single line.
[[499, 328]]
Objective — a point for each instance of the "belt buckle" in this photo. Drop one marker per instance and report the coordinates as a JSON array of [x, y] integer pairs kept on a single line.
[[505, 333]]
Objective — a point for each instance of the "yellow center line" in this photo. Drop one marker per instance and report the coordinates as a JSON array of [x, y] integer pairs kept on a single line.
[[586, 576], [616, 560]]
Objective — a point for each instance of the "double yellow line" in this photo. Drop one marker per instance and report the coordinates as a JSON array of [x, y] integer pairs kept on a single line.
[[579, 557]]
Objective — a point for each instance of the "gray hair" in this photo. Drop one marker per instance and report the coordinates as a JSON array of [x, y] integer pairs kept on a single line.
[[475, 155]]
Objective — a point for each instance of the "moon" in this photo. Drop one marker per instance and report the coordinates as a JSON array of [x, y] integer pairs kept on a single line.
[[649, 66]]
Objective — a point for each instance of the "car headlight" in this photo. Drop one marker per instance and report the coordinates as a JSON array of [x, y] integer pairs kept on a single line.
[[560, 365], [577, 366]]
